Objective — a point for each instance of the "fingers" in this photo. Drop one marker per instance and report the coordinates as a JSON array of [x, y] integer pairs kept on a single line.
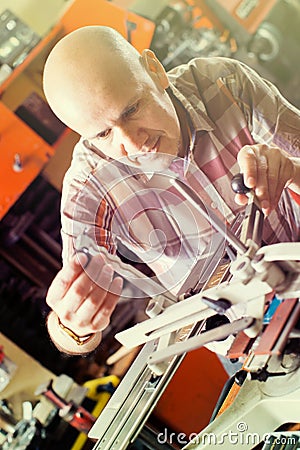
[[65, 277], [267, 170], [94, 297], [93, 313], [100, 302], [84, 287], [84, 299], [241, 199], [102, 317], [253, 163], [248, 164], [262, 190]]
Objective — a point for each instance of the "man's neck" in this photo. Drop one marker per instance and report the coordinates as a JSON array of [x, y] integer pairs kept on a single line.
[[183, 122]]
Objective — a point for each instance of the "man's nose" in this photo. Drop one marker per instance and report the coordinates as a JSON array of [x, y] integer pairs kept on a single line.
[[130, 139]]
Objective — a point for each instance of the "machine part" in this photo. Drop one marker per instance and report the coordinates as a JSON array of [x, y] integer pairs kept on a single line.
[[136, 397], [150, 286], [132, 403], [7, 369], [7, 421], [247, 13], [24, 434], [263, 375], [99, 390], [276, 335], [130, 406], [274, 303], [220, 306], [183, 32], [240, 346], [201, 42], [238, 185], [273, 339], [192, 310], [212, 270], [17, 164], [76, 416], [5, 72], [225, 391], [265, 43], [16, 39], [291, 356], [253, 219], [145, 9], [240, 377], [187, 312], [240, 420], [155, 306], [209, 215], [286, 255], [216, 334], [215, 321]]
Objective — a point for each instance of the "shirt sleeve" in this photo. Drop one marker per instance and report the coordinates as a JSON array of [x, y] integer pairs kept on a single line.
[[271, 118], [83, 208]]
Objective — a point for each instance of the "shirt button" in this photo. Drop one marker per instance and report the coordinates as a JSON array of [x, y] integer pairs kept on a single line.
[[213, 205]]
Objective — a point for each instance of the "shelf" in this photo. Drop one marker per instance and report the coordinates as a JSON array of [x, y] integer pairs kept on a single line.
[[54, 33]]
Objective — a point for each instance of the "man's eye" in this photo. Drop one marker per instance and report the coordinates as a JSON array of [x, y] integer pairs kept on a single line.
[[104, 133], [133, 109]]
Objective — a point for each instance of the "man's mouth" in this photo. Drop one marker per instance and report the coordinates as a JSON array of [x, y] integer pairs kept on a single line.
[[145, 154], [155, 146]]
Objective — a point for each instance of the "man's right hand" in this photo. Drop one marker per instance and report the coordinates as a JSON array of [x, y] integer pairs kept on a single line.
[[267, 170], [84, 299]]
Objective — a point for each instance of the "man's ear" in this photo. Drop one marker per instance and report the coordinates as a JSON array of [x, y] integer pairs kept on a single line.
[[155, 68]]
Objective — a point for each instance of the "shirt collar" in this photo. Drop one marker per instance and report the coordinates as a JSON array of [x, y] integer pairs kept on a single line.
[[197, 120], [195, 108]]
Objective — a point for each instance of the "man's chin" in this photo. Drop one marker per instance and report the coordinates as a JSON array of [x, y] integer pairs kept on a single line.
[[149, 162]]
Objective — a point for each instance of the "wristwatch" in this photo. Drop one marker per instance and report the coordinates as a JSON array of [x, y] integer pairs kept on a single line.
[[69, 342], [80, 340]]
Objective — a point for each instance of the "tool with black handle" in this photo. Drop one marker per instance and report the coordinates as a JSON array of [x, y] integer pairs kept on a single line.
[[254, 218]]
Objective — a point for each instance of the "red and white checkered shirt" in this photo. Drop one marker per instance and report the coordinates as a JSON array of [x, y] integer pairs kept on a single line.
[[229, 106]]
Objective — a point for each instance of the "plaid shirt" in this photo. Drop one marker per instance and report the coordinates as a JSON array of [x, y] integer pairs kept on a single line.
[[228, 106]]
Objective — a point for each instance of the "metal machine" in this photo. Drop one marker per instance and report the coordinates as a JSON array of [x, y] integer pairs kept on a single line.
[[183, 31], [261, 285]]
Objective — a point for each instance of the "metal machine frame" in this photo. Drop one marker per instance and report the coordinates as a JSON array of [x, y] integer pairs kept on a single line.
[[255, 273]]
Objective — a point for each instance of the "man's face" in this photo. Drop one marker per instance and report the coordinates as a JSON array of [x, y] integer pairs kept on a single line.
[[131, 116]]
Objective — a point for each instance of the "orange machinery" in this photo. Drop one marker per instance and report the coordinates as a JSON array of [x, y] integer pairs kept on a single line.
[[188, 402], [248, 13]]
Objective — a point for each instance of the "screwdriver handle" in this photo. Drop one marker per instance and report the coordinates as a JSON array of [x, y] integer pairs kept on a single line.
[[238, 185]]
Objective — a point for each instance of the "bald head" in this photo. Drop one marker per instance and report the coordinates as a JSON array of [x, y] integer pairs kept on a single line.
[[89, 62]]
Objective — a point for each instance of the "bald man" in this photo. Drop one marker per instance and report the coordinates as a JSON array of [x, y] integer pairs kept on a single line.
[[213, 117]]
